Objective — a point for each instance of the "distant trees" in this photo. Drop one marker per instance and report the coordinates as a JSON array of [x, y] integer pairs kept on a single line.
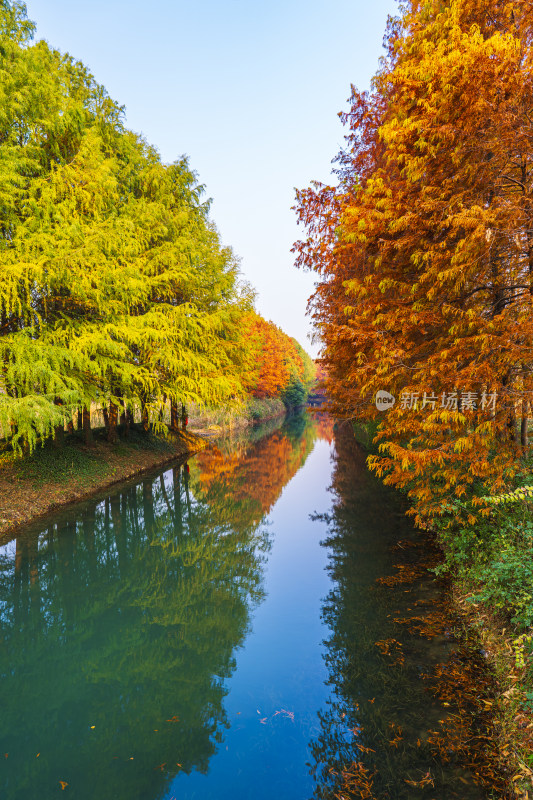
[[280, 367], [425, 251], [115, 290]]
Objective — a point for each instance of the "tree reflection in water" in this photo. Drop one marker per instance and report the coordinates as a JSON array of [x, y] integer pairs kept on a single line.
[[119, 623], [381, 733]]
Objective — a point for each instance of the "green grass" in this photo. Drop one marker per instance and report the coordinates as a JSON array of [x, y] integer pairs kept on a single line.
[[51, 464]]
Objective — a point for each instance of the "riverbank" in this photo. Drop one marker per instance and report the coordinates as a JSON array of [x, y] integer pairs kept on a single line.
[[50, 477], [489, 563], [511, 704], [488, 567], [53, 477], [486, 631]]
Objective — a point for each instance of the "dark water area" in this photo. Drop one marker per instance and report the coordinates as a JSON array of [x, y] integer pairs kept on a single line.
[[257, 622]]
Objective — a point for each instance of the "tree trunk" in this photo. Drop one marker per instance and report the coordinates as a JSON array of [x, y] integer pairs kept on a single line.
[[184, 419], [145, 419], [174, 417], [59, 430], [523, 425], [86, 421], [121, 417], [509, 432], [511, 426], [128, 421], [112, 423], [105, 414]]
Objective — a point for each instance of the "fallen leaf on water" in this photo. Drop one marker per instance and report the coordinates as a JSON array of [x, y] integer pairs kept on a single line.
[[37, 756], [427, 780], [394, 742], [289, 714], [63, 785], [93, 727], [173, 719]]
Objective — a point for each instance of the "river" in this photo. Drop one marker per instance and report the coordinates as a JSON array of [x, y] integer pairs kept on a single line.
[[256, 622]]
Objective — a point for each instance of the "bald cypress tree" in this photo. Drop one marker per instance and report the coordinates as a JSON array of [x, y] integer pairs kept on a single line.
[[114, 287]]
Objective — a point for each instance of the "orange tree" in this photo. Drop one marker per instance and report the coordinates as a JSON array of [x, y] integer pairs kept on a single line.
[[281, 367], [425, 250]]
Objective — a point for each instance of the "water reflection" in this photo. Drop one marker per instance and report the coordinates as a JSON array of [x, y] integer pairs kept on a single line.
[[254, 477], [119, 624], [381, 731]]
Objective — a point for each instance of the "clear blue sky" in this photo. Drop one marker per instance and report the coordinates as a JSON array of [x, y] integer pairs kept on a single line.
[[250, 91]]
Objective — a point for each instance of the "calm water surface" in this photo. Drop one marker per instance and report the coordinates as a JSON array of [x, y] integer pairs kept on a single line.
[[210, 632]]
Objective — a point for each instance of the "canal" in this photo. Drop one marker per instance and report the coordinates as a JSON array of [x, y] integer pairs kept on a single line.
[[257, 622]]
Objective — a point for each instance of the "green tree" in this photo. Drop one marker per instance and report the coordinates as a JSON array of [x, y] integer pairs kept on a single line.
[[115, 287]]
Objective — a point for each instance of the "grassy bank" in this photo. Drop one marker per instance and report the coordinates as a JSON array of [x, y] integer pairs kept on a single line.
[[51, 477], [490, 563], [511, 703]]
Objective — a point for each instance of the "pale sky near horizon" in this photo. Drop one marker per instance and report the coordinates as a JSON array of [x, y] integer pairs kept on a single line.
[[249, 91]]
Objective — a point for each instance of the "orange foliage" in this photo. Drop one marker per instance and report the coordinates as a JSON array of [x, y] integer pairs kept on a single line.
[[321, 374], [253, 476], [275, 358], [324, 426], [425, 250]]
